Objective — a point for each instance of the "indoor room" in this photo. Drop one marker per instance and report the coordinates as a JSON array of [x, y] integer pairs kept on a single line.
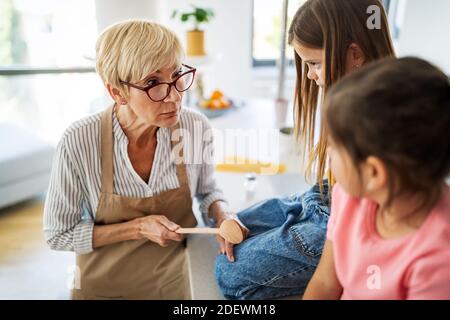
[[99, 99]]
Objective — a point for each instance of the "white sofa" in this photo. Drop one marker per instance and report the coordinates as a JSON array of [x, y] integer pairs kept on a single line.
[[25, 164]]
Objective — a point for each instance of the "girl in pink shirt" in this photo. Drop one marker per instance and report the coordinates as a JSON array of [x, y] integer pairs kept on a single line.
[[389, 231]]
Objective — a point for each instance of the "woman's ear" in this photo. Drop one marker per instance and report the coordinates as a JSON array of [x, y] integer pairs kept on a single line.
[[116, 95], [355, 57], [375, 174]]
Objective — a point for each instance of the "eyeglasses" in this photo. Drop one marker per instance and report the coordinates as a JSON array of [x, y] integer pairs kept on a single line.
[[159, 91]]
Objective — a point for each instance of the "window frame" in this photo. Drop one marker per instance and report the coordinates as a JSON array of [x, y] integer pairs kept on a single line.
[[40, 69], [390, 5]]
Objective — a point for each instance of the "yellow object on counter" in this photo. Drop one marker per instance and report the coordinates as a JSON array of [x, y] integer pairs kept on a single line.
[[242, 165]]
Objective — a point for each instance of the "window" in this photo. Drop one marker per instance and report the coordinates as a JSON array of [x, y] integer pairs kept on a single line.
[[47, 33], [267, 27], [267, 30], [396, 11], [47, 77]]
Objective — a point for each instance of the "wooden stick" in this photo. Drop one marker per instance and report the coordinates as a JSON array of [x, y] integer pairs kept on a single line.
[[198, 230], [229, 230]]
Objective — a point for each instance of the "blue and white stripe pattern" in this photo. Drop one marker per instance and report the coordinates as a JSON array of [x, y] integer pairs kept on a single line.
[[75, 181]]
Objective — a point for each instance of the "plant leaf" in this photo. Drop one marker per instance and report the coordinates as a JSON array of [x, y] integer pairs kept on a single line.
[[199, 15], [185, 17]]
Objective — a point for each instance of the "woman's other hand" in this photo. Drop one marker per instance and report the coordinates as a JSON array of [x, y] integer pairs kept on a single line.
[[159, 229]]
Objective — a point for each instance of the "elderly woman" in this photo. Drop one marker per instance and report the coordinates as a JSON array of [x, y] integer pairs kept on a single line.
[[117, 192]]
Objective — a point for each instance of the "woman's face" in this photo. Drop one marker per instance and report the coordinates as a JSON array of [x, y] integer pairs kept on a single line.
[[314, 60], [165, 113]]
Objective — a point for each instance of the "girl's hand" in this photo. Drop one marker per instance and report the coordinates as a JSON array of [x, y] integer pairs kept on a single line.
[[159, 229], [225, 246]]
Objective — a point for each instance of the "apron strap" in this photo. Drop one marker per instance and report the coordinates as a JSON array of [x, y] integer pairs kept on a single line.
[[107, 149], [181, 167]]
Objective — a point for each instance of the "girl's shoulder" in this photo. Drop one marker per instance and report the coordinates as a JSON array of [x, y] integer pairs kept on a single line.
[[433, 236], [440, 214], [344, 202], [348, 213]]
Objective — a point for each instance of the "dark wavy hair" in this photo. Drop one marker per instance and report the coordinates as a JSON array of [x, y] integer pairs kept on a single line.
[[399, 111]]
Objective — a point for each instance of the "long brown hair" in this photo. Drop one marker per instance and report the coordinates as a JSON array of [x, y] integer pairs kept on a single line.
[[331, 25], [399, 111]]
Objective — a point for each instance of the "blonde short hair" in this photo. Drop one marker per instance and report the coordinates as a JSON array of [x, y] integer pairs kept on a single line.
[[130, 50]]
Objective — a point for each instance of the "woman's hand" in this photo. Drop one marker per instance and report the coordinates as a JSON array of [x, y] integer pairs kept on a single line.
[[159, 229], [219, 211]]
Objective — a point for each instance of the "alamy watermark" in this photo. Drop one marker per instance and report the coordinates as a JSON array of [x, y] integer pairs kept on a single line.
[[209, 146], [373, 281], [374, 20], [74, 277]]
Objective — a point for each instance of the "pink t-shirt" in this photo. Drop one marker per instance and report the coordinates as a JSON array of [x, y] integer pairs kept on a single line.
[[416, 266]]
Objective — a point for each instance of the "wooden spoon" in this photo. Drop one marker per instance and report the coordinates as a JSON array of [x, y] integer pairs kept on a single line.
[[229, 230]]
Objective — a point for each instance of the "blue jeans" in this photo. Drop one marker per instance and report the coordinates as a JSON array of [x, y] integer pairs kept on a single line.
[[284, 246]]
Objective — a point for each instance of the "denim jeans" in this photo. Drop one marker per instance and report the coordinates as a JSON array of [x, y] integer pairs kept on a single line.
[[284, 246]]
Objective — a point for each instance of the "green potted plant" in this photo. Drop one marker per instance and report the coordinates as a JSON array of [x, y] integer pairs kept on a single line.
[[195, 38]]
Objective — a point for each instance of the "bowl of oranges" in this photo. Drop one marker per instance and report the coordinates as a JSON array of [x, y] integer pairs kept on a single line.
[[216, 105]]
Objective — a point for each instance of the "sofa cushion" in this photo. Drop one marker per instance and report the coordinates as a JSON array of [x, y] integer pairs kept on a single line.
[[22, 154]]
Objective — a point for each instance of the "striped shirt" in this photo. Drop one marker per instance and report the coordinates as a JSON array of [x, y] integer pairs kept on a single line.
[[75, 182]]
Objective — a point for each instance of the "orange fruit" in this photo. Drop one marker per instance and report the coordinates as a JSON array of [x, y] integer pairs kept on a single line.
[[224, 103], [217, 94], [215, 104]]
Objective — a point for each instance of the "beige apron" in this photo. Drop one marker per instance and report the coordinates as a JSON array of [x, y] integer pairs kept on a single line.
[[135, 269]]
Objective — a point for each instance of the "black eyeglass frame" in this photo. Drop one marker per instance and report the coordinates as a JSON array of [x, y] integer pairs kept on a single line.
[[169, 88]]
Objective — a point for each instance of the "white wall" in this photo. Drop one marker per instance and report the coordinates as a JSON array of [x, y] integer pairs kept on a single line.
[[111, 11], [228, 41], [426, 31]]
